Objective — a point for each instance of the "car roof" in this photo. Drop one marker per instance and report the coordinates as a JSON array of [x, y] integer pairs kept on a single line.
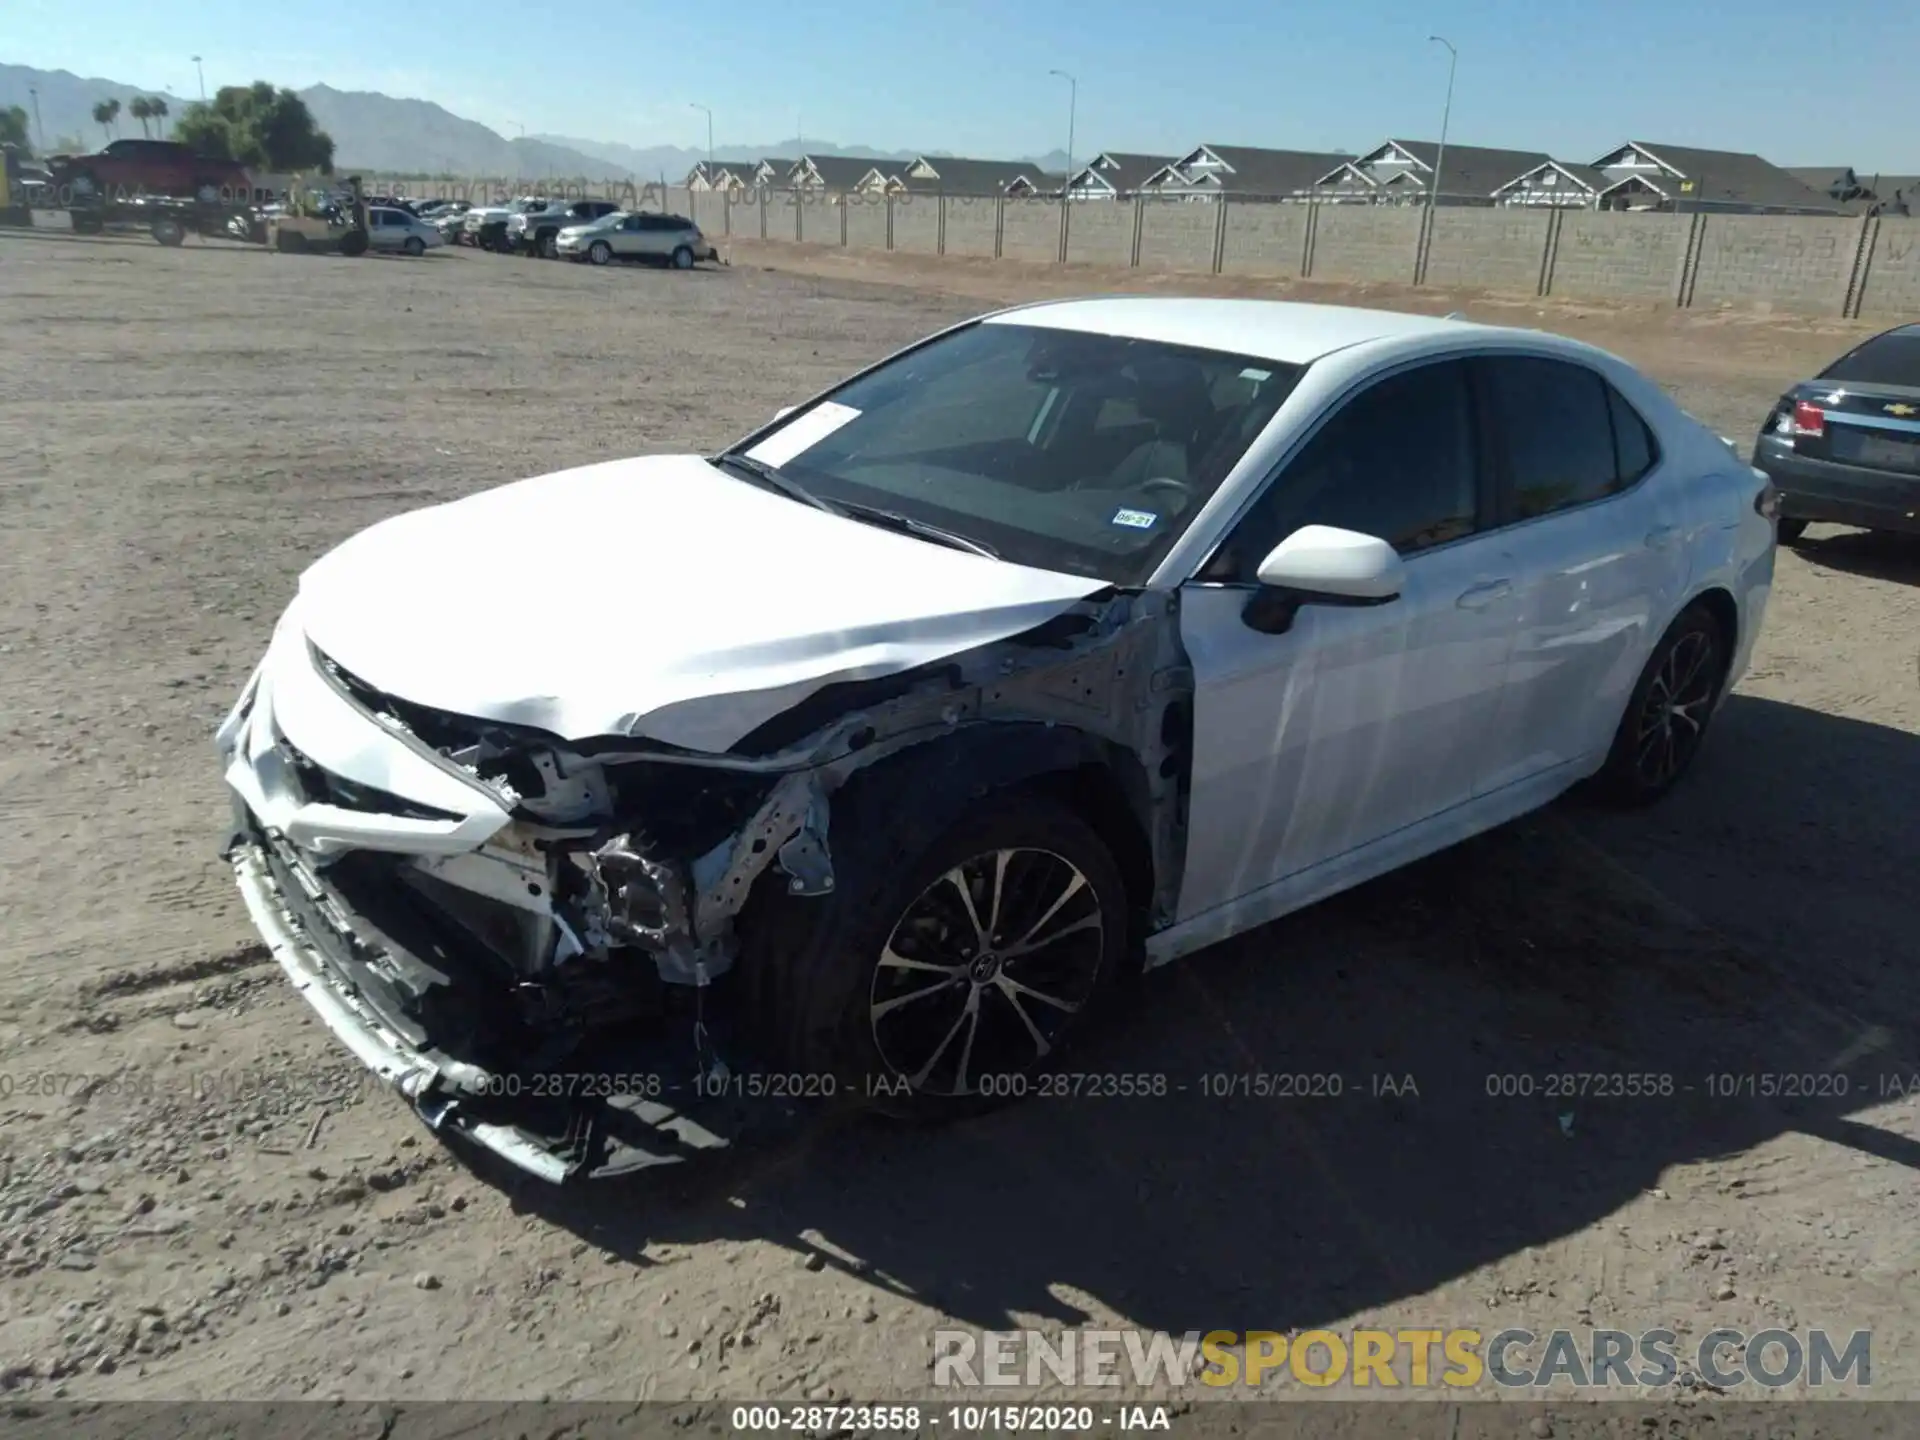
[[1281, 330]]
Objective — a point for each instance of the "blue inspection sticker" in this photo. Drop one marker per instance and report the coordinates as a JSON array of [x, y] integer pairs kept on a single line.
[[1135, 519]]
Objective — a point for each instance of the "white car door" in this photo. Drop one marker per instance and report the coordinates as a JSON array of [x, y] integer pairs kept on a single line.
[[1353, 722], [1602, 561], [382, 232]]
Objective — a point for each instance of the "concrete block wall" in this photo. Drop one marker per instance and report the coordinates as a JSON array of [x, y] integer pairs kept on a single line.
[[1488, 249], [1100, 233], [916, 224], [1890, 287], [1817, 265], [1032, 230], [867, 226], [1176, 236], [971, 224], [1797, 262], [1365, 242], [1615, 256], [1263, 239], [820, 219]]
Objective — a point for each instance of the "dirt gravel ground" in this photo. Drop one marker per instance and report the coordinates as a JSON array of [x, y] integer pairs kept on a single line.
[[202, 1196]]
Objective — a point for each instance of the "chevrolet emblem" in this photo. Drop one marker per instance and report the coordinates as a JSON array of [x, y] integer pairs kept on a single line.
[[1901, 409]]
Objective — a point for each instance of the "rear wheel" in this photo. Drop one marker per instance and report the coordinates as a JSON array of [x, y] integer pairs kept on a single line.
[[1791, 531], [939, 986], [290, 242], [1669, 711]]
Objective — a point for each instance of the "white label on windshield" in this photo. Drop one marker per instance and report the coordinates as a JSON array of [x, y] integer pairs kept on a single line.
[[803, 433], [1135, 519], [1256, 375]]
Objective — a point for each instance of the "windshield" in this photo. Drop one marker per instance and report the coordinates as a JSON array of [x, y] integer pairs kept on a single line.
[[1054, 448], [1891, 359]]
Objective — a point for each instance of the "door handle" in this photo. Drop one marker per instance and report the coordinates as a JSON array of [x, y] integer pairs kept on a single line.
[[1660, 537], [1481, 596]]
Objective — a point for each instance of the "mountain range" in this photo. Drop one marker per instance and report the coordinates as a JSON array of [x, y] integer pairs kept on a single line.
[[382, 134]]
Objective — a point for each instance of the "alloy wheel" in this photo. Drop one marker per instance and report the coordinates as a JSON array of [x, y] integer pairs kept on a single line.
[[985, 969], [1673, 716]]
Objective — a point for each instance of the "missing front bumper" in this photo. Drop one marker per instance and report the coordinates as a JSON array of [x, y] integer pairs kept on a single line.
[[637, 1106]]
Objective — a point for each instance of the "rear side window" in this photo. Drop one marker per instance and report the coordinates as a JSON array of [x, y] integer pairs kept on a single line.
[[1557, 422], [1633, 442], [1892, 359]]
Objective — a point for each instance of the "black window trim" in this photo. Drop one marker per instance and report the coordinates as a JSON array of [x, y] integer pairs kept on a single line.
[[1497, 501], [1486, 478], [1506, 508]]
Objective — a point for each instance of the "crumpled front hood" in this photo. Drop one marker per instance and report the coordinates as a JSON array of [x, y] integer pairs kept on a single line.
[[653, 596]]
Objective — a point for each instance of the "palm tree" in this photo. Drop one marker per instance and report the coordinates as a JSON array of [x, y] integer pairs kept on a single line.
[[105, 113], [157, 108], [141, 111]]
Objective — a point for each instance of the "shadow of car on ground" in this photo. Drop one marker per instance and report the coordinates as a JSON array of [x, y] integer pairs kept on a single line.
[[1487, 1012]]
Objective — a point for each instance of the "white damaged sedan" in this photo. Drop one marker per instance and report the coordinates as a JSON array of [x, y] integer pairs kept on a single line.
[[858, 760]]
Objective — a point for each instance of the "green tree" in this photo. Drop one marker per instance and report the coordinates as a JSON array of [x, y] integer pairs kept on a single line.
[[106, 114], [157, 108], [141, 111], [13, 130], [258, 126]]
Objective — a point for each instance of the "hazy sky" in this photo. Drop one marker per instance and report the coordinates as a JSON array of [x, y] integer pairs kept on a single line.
[[970, 76]]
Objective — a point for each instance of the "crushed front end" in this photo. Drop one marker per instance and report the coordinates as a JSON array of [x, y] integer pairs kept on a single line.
[[522, 933], [477, 913]]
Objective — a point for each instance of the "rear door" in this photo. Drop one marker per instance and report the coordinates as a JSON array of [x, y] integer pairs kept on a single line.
[[1591, 516]]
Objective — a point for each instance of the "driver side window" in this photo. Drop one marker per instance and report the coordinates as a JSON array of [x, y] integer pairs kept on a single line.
[[1400, 461]]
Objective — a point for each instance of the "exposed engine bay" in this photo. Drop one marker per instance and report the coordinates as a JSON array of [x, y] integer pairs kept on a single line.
[[583, 935]]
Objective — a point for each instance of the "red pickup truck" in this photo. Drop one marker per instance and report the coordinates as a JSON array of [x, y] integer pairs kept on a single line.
[[130, 169]]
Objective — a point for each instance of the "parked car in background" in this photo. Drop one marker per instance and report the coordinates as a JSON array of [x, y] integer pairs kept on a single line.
[[1129, 624], [486, 225], [390, 229], [1845, 446], [534, 230], [451, 219], [630, 235]]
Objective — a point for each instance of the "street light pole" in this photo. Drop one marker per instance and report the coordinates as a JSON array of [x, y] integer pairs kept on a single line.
[[1446, 114], [696, 105], [38, 129], [1073, 109], [199, 70]]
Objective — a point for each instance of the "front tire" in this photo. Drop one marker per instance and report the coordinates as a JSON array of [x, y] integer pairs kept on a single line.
[[415, 246], [1669, 711], [940, 986], [600, 252], [683, 258]]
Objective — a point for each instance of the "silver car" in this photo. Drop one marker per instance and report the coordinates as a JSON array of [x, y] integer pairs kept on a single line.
[[628, 235], [397, 230]]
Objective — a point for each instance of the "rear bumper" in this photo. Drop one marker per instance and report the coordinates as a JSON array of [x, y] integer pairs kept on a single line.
[[1820, 490]]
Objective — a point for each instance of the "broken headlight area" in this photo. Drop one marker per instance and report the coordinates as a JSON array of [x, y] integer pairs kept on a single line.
[[609, 855]]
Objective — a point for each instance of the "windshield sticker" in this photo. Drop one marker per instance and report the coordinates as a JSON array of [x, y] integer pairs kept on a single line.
[[1135, 519], [803, 432], [1256, 375]]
